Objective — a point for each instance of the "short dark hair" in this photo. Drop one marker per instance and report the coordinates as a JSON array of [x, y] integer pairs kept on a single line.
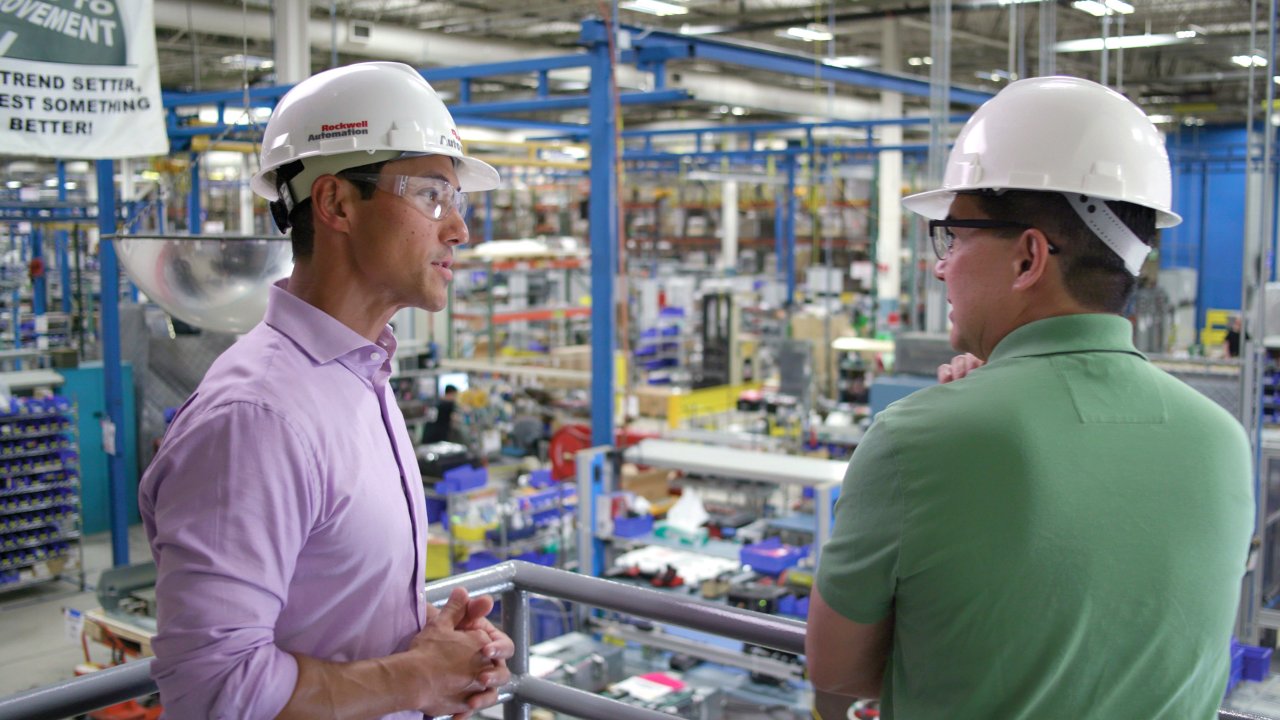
[[302, 233], [1095, 276], [450, 389]]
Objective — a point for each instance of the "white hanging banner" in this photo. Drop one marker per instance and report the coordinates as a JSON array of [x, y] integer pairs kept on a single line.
[[79, 79]]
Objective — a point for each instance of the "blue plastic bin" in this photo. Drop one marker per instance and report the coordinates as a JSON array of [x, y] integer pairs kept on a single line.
[[1257, 663], [631, 527], [771, 556]]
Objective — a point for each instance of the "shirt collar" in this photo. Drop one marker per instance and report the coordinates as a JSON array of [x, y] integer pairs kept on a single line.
[[323, 338], [1068, 334]]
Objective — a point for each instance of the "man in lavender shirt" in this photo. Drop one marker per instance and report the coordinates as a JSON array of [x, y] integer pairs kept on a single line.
[[285, 508]]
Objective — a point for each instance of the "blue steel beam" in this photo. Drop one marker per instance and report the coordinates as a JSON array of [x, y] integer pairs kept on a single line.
[[512, 67], [747, 155], [112, 374], [783, 126], [565, 102], [604, 244], [645, 40]]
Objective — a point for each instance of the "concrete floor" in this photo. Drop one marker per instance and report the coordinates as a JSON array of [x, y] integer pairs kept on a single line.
[[33, 631]]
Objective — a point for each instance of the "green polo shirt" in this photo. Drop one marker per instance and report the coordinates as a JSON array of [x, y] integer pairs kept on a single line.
[[1061, 534]]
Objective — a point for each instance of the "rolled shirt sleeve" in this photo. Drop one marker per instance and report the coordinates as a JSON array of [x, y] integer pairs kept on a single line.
[[228, 504], [859, 570]]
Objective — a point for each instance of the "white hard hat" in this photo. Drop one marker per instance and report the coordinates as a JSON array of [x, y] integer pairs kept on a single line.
[[1058, 134], [356, 115]]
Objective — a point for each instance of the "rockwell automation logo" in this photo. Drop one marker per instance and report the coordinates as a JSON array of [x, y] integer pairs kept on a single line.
[[329, 131], [454, 142]]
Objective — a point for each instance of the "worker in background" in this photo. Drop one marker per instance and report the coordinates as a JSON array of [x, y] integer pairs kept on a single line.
[[1062, 531], [285, 509], [440, 429], [1232, 339]]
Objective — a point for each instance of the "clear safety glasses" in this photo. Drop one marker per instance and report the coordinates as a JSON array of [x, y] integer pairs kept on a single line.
[[942, 237], [432, 196]]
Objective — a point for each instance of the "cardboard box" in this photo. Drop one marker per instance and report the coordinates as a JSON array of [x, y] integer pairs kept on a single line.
[[652, 485]]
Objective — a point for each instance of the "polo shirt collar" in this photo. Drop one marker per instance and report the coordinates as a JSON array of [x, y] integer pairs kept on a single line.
[[322, 337], [1068, 334]]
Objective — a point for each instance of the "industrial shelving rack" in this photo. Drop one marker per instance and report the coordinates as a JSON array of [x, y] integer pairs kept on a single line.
[[40, 524]]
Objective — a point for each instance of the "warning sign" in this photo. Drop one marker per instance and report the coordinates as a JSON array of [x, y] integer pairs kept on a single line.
[[79, 79]]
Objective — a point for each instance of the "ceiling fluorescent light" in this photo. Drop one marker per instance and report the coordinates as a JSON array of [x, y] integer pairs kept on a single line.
[[1185, 34], [1112, 43], [1098, 8], [1093, 7], [851, 61], [812, 33], [1160, 119], [654, 7], [1247, 60]]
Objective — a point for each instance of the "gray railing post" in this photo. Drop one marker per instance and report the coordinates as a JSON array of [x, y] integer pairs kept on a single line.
[[515, 619]]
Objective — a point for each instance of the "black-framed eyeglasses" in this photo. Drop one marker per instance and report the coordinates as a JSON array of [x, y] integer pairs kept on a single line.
[[942, 238]]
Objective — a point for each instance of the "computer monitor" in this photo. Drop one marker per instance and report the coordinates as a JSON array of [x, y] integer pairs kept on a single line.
[[456, 379]]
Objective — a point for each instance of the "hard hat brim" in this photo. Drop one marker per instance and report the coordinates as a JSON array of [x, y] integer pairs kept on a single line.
[[936, 204], [476, 175]]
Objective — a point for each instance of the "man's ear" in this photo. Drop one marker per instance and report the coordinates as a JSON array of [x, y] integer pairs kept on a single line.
[[331, 203], [1031, 260]]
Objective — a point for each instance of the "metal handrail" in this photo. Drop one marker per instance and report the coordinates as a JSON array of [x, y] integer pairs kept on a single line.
[[514, 581]]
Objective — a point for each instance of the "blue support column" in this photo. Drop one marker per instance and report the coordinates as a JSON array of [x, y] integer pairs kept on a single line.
[[60, 245], [604, 244], [39, 297], [779, 232], [15, 320], [194, 224], [112, 374], [488, 217], [791, 230]]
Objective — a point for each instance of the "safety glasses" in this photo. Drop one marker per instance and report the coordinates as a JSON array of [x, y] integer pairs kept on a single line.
[[432, 196], [942, 237]]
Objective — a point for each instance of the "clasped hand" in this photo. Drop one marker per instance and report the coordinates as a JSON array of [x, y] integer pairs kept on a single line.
[[462, 657]]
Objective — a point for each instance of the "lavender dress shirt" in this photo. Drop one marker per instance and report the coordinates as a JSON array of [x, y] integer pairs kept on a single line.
[[285, 513]]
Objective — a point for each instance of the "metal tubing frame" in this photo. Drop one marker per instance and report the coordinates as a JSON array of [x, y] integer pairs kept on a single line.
[[515, 580]]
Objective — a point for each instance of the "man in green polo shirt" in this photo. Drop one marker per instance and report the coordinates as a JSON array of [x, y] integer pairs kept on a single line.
[[1062, 532]]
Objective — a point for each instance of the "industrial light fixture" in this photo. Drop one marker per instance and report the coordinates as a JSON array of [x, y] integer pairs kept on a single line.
[[1122, 41], [851, 61], [1249, 60], [241, 61], [70, 185], [13, 184], [1099, 8], [1160, 119], [810, 33], [738, 111], [994, 75], [1185, 34], [654, 7], [918, 61]]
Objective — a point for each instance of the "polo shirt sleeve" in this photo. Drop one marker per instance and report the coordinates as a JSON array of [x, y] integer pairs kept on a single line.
[[858, 569], [228, 504]]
